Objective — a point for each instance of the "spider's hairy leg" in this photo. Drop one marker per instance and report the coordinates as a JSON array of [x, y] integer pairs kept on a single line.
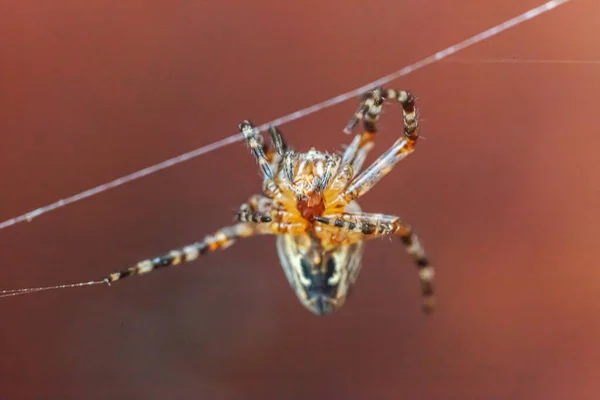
[[262, 210], [254, 218], [257, 219], [370, 108], [220, 240], [398, 151], [356, 153], [257, 145], [276, 151], [377, 225], [256, 142], [368, 112], [284, 153], [278, 141], [258, 210]]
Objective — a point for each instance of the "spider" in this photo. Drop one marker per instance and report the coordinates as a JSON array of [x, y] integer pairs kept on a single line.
[[309, 202]]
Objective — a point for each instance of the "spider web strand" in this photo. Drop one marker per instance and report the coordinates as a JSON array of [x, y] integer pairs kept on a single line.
[[19, 292], [440, 55], [520, 61]]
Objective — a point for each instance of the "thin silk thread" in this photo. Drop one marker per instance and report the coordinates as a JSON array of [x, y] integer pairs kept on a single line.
[[440, 55]]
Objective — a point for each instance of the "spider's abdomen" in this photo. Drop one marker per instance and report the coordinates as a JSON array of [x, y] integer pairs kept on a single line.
[[321, 278], [321, 286]]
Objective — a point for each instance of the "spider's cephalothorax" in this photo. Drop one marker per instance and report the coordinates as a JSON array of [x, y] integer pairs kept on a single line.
[[309, 201]]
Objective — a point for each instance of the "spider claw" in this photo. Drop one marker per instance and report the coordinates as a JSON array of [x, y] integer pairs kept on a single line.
[[247, 129]]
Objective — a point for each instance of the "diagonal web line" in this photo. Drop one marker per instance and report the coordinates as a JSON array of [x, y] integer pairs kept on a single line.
[[522, 61], [290, 117]]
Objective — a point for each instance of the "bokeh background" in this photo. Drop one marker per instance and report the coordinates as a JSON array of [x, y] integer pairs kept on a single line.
[[504, 193]]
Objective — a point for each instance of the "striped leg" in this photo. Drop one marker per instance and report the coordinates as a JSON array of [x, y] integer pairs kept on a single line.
[[252, 216], [378, 225], [284, 153], [256, 143], [356, 153], [255, 219], [274, 152], [369, 112], [278, 141], [221, 240], [268, 159], [257, 210]]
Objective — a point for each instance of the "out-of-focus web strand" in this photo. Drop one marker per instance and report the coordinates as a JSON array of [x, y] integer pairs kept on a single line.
[[290, 117], [520, 61]]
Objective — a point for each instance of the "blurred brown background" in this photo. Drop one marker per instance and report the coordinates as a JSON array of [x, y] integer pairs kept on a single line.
[[504, 192]]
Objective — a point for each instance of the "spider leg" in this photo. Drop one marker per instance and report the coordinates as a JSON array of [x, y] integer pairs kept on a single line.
[[272, 157], [369, 112], [256, 213], [356, 153], [278, 141], [284, 153], [378, 225], [220, 240], [263, 151], [258, 210], [268, 160], [257, 145], [245, 214], [275, 152]]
